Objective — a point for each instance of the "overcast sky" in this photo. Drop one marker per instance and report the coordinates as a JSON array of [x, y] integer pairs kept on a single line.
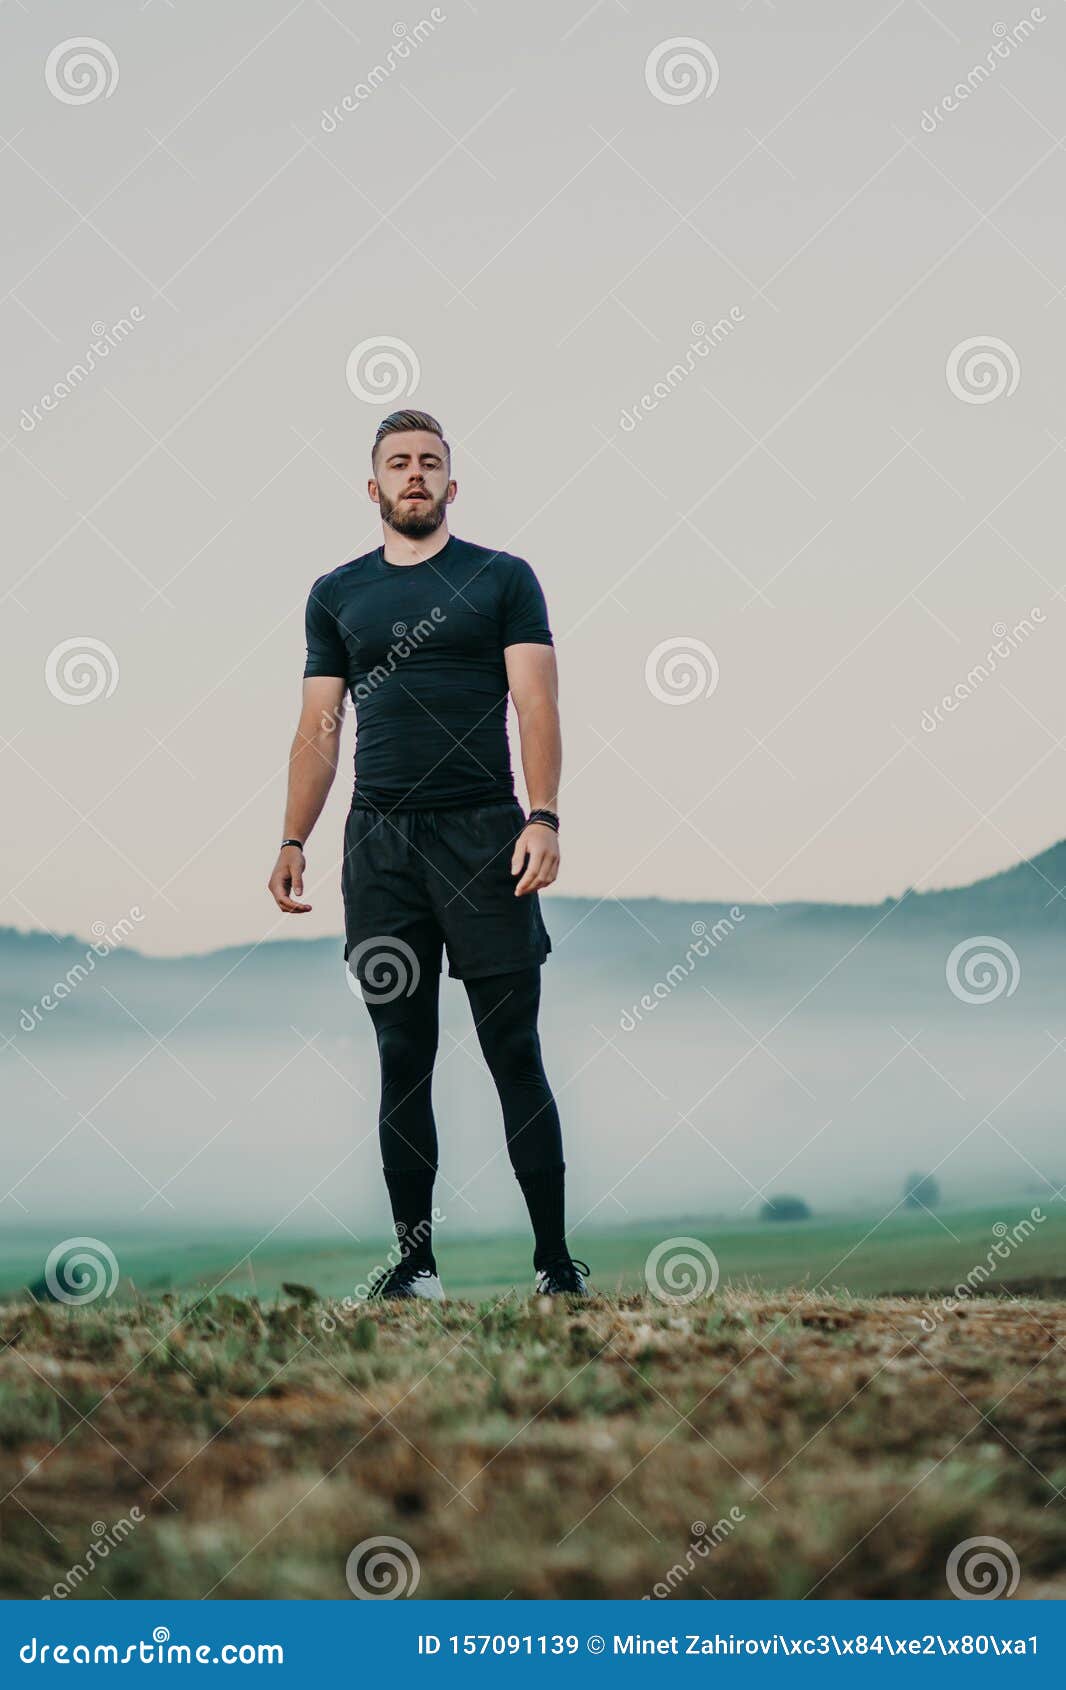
[[764, 573]]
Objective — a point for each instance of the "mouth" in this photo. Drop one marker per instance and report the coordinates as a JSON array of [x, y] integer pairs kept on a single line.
[[415, 495]]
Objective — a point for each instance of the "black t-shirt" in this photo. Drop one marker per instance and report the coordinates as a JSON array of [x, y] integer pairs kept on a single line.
[[421, 647]]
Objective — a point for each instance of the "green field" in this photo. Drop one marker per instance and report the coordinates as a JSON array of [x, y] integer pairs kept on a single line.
[[909, 1253]]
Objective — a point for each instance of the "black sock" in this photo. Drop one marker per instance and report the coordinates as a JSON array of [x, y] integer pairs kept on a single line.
[[411, 1196], [543, 1190]]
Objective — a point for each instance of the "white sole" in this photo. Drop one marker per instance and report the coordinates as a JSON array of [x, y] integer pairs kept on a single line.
[[430, 1290]]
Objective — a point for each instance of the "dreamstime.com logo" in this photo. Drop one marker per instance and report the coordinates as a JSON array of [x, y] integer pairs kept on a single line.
[[381, 1569], [703, 344], [1006, 40], [704, 1539], [105, 940], [982, 969], [383, 369], [704, 940], [160, 1650], [681, 70], [81, 70], [106, 336], [1007, 1240], [406, 639], [982, 1569], [681, 1269], [417, 1235], [407, 39], [1007, 641], [982, 369], [81, 1271], [81, 670], [104, 1539], [680, 670], [381, 969]]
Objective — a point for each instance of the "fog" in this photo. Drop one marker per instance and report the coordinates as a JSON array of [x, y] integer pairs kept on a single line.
[[704, 1059]]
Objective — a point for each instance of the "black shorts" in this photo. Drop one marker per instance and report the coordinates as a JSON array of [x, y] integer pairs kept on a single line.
[[426, 880]]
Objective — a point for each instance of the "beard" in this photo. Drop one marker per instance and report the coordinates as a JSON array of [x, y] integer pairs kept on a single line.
[[416, 520]]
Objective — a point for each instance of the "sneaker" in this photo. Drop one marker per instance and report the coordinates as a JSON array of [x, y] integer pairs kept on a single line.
[[405, 1282], [562, 1277]]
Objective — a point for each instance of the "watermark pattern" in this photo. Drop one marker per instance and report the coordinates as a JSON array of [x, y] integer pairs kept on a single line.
[[982, 369], [703, 343], [81, 70], [390, 969], [105, 940], [106, 336], [380, 1569], [681, 70], [680, 670], [383, 369], [1007, 39], [407, 39], [404, 1240], [982, 1569], [681, 1269], [1008, 1239], [81, 1271], [704, 941], [81, 670], [104, 1539], [982, 969], [704, 1540], [1007, 641], [406, 640]]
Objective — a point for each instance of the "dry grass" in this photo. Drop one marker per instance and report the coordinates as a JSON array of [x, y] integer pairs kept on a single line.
[[532, 1449]]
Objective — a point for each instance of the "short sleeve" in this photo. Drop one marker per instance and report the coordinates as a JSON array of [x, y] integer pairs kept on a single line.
[[326, 652], [525, 613]]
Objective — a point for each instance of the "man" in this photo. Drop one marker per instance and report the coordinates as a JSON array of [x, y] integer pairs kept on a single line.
[[429, 634]]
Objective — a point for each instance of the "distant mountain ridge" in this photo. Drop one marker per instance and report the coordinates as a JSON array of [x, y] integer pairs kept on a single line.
[[1029, 893]]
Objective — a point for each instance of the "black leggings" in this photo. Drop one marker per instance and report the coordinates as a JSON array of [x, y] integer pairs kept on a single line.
[[505, 1009]]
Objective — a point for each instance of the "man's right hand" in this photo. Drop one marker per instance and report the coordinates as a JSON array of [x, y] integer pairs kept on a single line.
[[286, 884]]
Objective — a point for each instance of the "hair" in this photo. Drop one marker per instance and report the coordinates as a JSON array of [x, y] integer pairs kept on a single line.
[[402, 422]]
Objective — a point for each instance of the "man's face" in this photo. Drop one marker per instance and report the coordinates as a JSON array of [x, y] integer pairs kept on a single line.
[[411, 482]]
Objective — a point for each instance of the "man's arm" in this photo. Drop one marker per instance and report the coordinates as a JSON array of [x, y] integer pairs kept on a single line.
[[312, 766], [533, 679]]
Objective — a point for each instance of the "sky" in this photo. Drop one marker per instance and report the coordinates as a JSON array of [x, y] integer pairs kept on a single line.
[[764, 571]]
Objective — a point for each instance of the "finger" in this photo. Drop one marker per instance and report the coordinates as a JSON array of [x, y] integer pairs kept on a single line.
[[528, 881], [518, 856], [279, 888]]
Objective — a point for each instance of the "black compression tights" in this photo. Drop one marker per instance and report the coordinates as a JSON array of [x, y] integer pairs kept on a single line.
[[505, 1009]]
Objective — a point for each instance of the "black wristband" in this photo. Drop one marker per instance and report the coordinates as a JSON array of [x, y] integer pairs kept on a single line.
[[297, 842], [547, 818]]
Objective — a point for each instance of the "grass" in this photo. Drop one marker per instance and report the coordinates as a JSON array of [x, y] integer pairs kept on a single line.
[[521, 1447], [863, 1254]]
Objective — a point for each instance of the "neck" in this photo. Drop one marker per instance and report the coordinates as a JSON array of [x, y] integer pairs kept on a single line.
[[405, 548]]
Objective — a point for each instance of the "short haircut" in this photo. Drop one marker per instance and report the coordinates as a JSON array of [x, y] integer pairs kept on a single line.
[[403, 422]]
